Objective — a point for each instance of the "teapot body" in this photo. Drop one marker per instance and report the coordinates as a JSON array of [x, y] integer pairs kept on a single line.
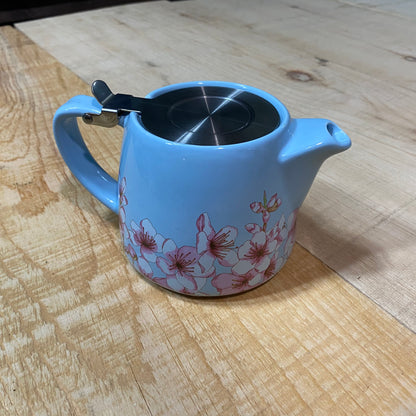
[[204, 220]]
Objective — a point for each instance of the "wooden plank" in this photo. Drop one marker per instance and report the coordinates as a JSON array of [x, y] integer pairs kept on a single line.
[[359, 68], [81, 333], [403, 8]]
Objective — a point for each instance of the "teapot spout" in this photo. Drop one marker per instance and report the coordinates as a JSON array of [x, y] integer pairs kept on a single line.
[[309, 143]]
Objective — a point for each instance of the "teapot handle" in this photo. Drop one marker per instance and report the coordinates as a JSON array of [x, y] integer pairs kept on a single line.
[[75, 153]]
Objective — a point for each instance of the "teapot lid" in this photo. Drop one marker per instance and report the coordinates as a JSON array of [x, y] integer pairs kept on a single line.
[[199, 115]]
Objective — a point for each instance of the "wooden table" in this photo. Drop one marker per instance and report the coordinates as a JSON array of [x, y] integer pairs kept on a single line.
[[82, 333]]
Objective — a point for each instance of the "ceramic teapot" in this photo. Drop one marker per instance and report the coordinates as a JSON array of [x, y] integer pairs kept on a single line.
[[212, 175]]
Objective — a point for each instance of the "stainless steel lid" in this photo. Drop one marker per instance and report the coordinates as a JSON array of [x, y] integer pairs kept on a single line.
[[210, 116], [201, 115]]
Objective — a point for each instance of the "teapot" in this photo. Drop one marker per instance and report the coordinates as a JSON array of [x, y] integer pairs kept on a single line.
[[212, 175]]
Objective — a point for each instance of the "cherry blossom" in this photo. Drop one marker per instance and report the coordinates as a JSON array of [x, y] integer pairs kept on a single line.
[[130, 252], [211, 245], [122, 212], [181, 264], [144, 267], [146, 237], [176, 285], [122, 223], [276, 263], [254, 254], [291, 226], [279, 231], [122, 193], [266, 207], [230, 283], [253, 228], [273, 203], [257, 207]]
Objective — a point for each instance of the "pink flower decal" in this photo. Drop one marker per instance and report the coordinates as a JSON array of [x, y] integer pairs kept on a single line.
[[177, 286], [130, 252], [230, 283], [211, 245], [215, 263], [122, 193], [257, 207], [276, 263], [274, 203], [291, 226], [278, 231], [180, 265], [255, 254], [146, 237], [122, 203], [253, 228], [266, 207], [144, 267], [139, 263], [122, 222]]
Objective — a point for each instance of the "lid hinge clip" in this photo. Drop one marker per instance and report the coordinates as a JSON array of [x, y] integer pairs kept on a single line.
[[114, 105]]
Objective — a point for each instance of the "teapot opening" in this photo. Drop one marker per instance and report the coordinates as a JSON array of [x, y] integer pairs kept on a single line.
[[210, 116], [206, 115]]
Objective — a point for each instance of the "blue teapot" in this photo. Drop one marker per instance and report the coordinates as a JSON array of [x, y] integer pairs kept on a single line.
[[211, 178]]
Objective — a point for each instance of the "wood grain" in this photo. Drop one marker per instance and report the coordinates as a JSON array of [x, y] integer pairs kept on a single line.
[[81, 333], [402, 8], [351, 63]]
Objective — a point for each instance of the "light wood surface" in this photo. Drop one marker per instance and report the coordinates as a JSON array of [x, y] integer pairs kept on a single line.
[[81, 333], [401, 8], [357, 63]]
